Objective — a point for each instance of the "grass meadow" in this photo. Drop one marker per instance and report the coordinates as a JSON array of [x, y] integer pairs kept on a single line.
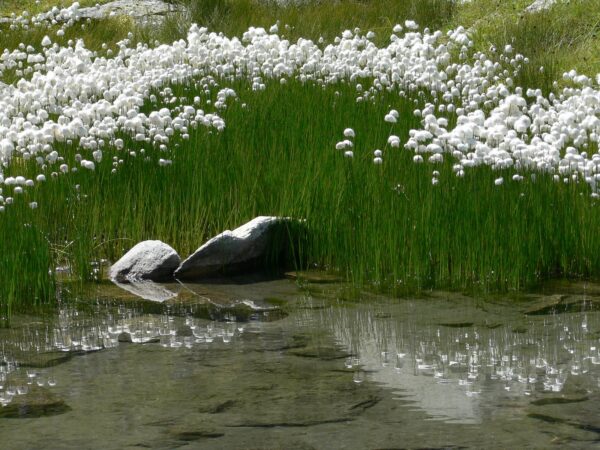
[[383, 227]]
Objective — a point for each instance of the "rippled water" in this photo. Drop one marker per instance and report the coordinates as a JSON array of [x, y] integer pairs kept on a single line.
[[271, 364]]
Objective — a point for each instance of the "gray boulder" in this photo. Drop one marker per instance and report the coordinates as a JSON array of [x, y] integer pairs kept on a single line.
[[132, 8], [147, 260], [540, 5], [238, 250]]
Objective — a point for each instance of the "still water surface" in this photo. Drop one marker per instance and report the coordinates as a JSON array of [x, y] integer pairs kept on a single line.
[[272, 364]]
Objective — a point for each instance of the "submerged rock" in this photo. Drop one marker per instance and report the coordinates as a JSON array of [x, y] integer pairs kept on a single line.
[[37, 402], [323, 352], [235, 251], [126, 338], [314, 276], [147, 260], [238, 311], [576, 412], [557, 304]]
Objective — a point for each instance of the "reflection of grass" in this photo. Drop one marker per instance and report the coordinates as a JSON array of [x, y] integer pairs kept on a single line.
[[384, 224]]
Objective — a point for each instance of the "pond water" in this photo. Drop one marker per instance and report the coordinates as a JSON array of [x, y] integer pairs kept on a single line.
[[273, 364]]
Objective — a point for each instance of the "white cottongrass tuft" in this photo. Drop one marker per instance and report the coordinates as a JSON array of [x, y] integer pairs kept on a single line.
[[389, 118], [88, 164], [394, 141]]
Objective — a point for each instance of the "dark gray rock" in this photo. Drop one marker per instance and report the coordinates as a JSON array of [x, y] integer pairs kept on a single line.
[[239, 250], [124, 338], [148, 260]]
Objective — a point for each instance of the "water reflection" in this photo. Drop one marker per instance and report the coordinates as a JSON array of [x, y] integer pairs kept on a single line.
[[148, 290], [456, 371], [31, 348], [458, 360]]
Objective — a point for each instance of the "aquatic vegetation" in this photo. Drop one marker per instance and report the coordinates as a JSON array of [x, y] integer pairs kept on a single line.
[[177, 141]]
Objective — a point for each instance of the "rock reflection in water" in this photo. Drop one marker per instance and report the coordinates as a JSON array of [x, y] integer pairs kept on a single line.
[[148, 290], [459, 370]]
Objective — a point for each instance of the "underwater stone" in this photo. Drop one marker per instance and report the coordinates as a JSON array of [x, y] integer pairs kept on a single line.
[[124, 338], [147, 260], [238, 250], [37, 402]]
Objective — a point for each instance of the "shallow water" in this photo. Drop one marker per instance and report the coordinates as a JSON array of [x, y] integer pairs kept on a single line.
[[443, 371]]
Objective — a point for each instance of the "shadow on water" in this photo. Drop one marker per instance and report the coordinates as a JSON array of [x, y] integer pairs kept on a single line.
[[281, 364]]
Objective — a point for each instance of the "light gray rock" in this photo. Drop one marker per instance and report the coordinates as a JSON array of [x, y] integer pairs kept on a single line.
[[233, 251], [147, 260], [132, 8], [540, 5]]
